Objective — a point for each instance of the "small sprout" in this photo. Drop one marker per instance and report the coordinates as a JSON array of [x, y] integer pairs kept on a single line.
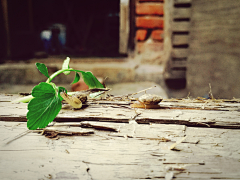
[[45, 101], [72, 100]]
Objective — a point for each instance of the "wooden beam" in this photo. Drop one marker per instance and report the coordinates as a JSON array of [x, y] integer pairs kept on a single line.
[[168, 25], [135, 152], [124, 26], [189, 112], [6, 26], [30, 9]]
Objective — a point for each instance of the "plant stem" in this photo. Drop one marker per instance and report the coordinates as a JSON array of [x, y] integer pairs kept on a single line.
[[23, 99], [57, 73], [28, 98]]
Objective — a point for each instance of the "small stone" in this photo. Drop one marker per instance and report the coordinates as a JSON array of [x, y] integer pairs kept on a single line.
[[150, 99]]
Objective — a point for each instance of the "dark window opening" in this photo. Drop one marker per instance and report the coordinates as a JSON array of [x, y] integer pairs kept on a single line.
[[92, 27], [88, 28]]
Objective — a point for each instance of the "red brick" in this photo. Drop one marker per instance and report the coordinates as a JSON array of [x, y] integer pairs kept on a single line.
[[149, 22], [141, 34], [157, 35], [149, 9]]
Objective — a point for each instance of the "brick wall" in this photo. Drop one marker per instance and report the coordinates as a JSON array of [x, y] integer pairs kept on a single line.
[[149, 26]]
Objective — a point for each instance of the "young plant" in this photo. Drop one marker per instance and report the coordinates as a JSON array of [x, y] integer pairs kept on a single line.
[[45, 100]]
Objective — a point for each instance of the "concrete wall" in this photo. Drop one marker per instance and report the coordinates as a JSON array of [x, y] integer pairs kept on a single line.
[[214, 55]]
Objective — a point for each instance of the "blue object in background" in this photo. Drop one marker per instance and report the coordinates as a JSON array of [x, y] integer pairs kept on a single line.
[[54, 38], [46, 38]]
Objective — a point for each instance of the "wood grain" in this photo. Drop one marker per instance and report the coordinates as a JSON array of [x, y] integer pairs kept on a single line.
[[127, 145], [190, 112], [136, 152]]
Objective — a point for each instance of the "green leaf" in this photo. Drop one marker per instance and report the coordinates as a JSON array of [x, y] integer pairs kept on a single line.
[[44, 107], [91, 80], [65, 65], [76, 79], [43, 69]]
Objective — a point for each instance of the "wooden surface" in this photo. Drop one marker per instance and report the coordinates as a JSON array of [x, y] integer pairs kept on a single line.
[[185, 139], [124, 26], [4, 4]]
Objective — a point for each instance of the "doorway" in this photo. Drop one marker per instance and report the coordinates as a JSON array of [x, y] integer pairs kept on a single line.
[[89, 28], [92, 26]]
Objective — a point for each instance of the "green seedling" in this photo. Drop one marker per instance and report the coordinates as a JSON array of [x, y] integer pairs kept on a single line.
[[45, 100]]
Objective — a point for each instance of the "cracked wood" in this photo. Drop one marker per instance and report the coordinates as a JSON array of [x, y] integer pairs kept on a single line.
[[189, 112]]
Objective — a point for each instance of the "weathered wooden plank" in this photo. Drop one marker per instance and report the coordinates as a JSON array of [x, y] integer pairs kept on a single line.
[[124, 26], [196, 112], [168, 20], [180, 39], [135, 152]]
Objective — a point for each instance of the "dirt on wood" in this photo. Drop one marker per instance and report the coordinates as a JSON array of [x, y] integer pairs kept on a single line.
[[184, 139]]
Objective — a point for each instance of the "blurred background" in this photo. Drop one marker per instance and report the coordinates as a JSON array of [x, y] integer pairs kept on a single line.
[[182, 47]]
